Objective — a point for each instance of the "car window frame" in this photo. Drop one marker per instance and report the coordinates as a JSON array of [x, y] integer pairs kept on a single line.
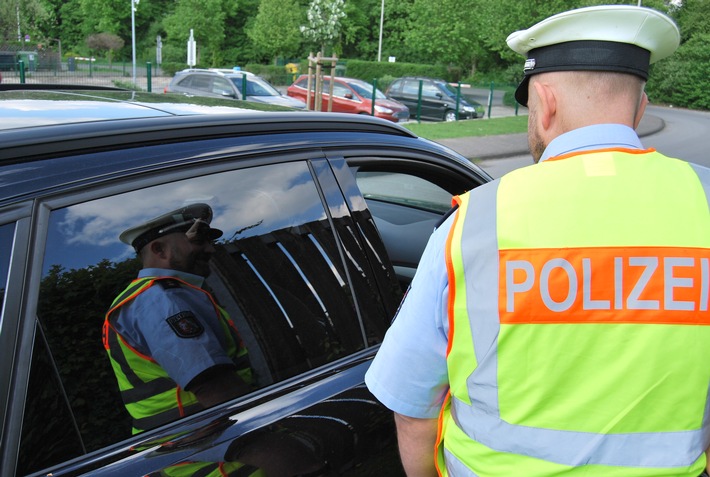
[[76, 195]]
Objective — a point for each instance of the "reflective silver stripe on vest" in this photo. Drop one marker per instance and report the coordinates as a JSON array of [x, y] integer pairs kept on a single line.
[[481, 420], [454, 467]]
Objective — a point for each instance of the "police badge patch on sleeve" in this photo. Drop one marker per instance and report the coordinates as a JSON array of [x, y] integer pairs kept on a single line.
[[185, 325]]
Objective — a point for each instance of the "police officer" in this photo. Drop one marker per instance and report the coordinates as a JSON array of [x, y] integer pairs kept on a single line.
[[173, 349], [558, 321]]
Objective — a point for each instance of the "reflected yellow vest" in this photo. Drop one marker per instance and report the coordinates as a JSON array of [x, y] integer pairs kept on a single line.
[[151, 397], [579, 341]]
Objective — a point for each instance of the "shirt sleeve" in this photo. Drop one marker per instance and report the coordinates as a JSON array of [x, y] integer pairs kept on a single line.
[[182, 353], [409, 373]]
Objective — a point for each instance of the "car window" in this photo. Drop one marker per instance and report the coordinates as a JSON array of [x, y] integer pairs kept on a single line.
[[341, 91], [221, 86], [411, 87], [277, 271], [430, 90], [406, 208], [259, 87], [404, 189], [365, 90], [199, 82]]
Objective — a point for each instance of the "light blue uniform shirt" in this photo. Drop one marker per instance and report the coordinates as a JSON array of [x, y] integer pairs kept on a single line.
[[144, 324], [409, 373]]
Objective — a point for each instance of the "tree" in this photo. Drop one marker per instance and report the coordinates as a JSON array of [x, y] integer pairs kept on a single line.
[[324, 21], [275, 28], [107, 42], [443, 37], [208, 30], [20, 18]]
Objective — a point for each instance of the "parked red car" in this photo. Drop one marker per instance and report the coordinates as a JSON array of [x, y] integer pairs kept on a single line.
[[350, 95]]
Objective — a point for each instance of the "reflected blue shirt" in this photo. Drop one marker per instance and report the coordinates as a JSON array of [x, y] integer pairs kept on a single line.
[[144, 324], [409, 372]]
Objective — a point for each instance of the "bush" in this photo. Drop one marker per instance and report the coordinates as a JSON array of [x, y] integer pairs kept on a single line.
[[681, 80], [368, 70]]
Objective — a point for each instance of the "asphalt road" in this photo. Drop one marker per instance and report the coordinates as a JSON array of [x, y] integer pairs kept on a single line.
[[675, 132]]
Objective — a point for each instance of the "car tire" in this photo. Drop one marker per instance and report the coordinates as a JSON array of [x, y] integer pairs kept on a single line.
[[449, 115]]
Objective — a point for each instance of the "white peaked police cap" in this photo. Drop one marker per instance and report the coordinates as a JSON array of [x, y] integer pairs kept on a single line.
[[621, 38]]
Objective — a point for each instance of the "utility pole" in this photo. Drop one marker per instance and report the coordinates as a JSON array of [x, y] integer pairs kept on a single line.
[[382, 20]]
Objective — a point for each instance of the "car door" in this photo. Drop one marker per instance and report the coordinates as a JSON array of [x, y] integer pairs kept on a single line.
[[293, 272]]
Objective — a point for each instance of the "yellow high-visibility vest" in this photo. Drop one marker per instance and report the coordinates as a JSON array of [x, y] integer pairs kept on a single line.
[[579, 293]]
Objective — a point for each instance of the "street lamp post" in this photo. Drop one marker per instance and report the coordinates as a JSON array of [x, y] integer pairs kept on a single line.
[[382, 20], [133, 36]]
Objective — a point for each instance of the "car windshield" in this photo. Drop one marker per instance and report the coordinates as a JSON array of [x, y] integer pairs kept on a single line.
[[255, 86], [448, 89], [365, 90]]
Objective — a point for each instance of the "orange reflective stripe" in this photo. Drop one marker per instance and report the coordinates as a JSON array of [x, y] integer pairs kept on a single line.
[[644, 285], [595, 151], [451, 272]]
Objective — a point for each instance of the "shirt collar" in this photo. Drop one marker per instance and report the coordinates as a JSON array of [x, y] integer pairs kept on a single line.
[[190, 278], [598, 136]]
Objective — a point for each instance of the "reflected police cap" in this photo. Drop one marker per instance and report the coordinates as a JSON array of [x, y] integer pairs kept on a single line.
[[194, 216]]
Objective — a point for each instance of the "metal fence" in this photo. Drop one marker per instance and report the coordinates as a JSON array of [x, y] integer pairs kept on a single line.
[[147, 77], [80, 71]]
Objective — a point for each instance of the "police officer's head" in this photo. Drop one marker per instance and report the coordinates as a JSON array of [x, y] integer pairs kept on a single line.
[[179, 240], [589, 66]]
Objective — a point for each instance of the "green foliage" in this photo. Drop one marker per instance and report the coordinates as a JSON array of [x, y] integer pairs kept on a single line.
[[446, 31], [275, 29], [71, 309], [682, 79], [367, 70], [468, 36], [324, 21]]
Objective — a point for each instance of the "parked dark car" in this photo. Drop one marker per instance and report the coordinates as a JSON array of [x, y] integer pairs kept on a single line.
[[225, 83], [350, 95], [438, 99], [324, 218]]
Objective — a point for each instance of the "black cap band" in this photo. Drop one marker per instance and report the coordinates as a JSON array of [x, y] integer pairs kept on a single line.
[[585, 55], [144, 239]]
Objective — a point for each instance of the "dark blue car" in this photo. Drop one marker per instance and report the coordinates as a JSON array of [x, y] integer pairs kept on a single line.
[[324, 219]]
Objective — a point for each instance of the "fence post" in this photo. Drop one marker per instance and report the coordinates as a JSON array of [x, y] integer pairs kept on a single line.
[[244, 86], [148, 71], [458, 99], [374, 95], [419, 101], [490, 102], [21, 64]]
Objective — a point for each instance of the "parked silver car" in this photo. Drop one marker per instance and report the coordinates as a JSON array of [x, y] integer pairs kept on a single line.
[[225, 83]]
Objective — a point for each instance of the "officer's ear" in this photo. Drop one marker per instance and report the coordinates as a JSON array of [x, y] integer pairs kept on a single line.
[[546, 103], [641, 109], [158, 248]]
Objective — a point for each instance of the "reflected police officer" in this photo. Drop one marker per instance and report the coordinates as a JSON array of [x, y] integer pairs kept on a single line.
[[559, 321], [173, 349]]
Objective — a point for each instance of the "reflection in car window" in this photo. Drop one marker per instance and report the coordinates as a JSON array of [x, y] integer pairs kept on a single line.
[[277, 272], [404, 189]]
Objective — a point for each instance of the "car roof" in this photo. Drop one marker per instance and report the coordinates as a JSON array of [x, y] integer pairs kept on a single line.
[[41, 123], [217, 71], [30, 107]]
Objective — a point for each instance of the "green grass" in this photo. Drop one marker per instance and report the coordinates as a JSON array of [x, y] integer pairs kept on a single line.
[[471, 127]]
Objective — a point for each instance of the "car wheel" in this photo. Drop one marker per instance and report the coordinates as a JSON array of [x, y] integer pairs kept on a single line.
[[450, 115]]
